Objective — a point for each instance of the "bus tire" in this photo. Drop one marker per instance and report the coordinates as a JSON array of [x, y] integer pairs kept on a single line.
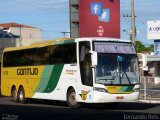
[[71, 99], [14, 94], [21, 95]]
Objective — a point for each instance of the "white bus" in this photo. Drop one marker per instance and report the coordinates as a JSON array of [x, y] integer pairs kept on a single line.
[[82, 70]]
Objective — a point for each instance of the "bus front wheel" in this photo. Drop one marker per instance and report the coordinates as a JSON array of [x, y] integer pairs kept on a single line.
[[71, 99], [21, 95]]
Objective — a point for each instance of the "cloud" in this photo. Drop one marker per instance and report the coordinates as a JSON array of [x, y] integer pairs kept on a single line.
[[148, 10], [144, 9], [37, 5]]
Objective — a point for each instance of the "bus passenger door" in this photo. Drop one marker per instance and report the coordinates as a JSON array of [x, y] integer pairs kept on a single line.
[[85, 71]]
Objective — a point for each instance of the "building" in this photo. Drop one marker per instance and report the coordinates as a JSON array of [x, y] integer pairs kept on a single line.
[[26, 35], [16, 35], [152, 61], [150, 68], [7, 40]]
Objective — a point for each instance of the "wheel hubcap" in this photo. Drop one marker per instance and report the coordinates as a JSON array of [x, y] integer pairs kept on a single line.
[[72, 98], [21, 96], [14, 95]]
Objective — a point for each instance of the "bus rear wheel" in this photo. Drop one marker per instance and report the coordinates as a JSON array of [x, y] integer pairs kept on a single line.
[[71, 99], [14, 94], [21, 95]]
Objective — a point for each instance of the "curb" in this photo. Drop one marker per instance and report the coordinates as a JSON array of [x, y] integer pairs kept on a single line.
[[150, 101]]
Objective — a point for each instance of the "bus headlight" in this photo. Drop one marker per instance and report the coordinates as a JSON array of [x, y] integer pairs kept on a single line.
[[100, 89], [136, 90]]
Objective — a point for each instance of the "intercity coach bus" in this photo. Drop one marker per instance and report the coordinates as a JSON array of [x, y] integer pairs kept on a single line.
[[82, 70]]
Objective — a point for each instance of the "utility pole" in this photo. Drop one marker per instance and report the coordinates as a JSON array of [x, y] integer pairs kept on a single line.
[[133, 22], [20, 39]]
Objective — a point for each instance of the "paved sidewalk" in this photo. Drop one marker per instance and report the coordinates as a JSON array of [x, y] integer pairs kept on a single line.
[[150, 101]]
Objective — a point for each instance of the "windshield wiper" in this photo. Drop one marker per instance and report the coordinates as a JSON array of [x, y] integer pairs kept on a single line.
[[115, 74], [119, 75], [127, 77]]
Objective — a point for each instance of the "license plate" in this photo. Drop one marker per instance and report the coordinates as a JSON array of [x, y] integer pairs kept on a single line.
[[120, 97]]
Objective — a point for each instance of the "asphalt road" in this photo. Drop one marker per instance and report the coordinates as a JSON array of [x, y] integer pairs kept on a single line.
[[52, 110]]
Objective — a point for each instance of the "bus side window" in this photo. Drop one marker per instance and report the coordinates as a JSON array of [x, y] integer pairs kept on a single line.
[[85, 63]]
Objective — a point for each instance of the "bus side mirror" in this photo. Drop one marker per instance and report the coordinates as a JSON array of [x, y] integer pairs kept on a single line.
[[94, 58]]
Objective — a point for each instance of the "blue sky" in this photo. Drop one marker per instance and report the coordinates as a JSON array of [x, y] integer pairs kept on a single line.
[[52, 15], [144, 10]]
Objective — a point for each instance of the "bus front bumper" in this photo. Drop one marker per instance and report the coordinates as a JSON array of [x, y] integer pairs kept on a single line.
[[100, 97]]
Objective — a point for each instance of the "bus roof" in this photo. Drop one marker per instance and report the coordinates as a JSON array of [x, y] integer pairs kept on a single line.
[[102, 39], [42, 44], [63, 41]]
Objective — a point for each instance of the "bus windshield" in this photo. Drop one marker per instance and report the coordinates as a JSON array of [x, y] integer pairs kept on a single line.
[[116, 67]]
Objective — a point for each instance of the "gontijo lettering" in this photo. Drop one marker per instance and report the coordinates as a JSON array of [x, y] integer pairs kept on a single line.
[[27, 71]]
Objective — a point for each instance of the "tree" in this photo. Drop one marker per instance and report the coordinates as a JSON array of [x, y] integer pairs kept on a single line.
[[150, 48], [141, 47]]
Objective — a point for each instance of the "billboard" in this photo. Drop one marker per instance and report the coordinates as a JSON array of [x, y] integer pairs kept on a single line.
[[99, 18], [153, 30], [157, 47]]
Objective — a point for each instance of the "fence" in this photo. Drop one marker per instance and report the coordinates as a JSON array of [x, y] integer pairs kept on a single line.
[[150, 89]]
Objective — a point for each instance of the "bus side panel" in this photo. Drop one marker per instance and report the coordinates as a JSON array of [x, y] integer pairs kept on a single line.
[[28, 77], [46, 82], [69, 77], [61, 78]]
